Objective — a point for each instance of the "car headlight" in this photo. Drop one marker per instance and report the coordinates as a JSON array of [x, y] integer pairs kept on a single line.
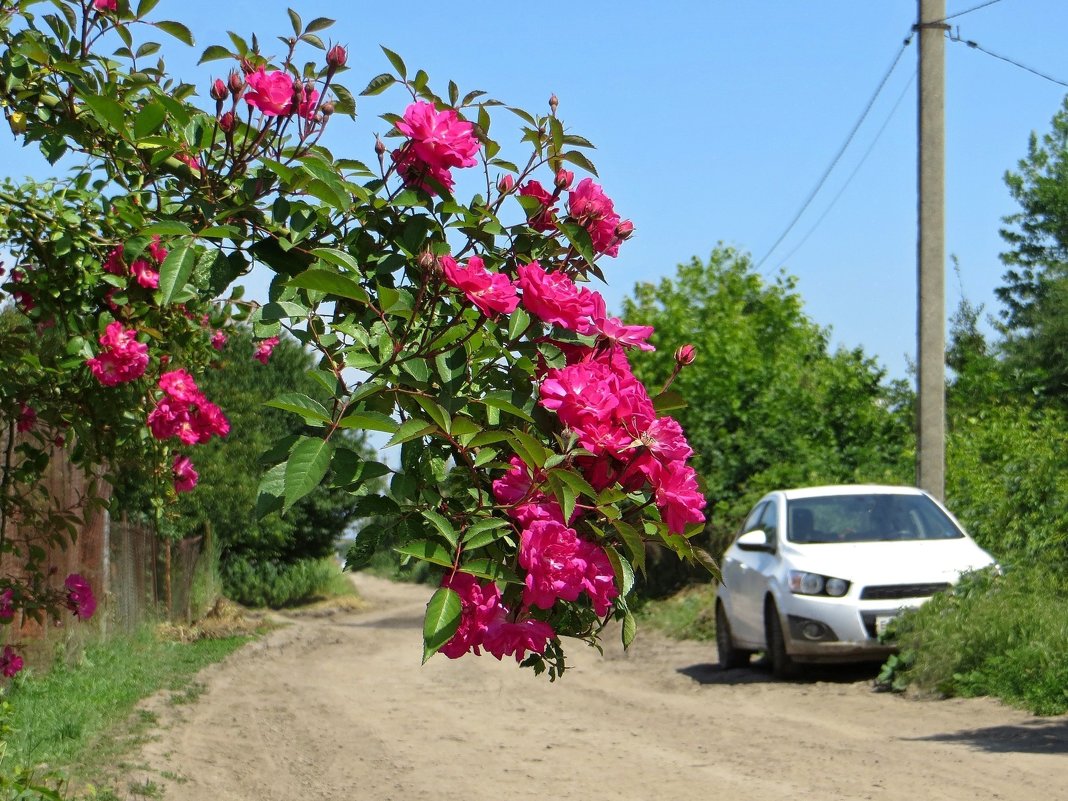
[[804, 583]]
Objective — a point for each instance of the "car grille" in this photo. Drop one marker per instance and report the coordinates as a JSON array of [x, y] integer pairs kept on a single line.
[[893, 592]]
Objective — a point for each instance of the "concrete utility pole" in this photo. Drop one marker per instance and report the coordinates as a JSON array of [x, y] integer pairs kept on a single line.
[[931, 262]]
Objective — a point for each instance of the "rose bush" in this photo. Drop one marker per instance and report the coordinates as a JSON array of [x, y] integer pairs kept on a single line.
[[444, 292]]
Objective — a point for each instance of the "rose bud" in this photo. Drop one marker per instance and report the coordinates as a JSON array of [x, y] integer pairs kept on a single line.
[[236, 82], [328, 108], [554, 101], [505, 184], [685, 355], [564, 178], [380, 147], [219, 90], [336, 57], [226, 121], [426, 260], [625, 230]]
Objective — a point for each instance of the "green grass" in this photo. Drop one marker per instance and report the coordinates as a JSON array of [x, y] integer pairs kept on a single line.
[[689, 614], [1002, 636], [78, 718]]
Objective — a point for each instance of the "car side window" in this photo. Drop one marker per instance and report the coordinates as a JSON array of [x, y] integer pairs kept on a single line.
[[753, 521], [769, 520]]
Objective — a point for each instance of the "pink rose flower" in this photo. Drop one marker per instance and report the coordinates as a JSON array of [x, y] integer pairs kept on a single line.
[[114, 263], [270, 92], [179, 385], [7, 605], [666, 440], [593, 210], [550, 553], [218, 339], [11, 662], [263, 350], [599, 580], [208, 420], [439, 139], [555, 299], [612, 328], [185, 477], [544, 219], [491, 293], [308, 102], [145, 274], [504, 638], [480, 604], [80, 598], [106, 5], [122, 358], [27, 417], [156, 250], [677, 495]]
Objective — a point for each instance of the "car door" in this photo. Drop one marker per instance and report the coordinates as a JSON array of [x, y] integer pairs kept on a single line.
[[741, 576], [756, 577]]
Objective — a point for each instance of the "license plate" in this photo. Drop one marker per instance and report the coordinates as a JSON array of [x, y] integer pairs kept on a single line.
[[881, 623]]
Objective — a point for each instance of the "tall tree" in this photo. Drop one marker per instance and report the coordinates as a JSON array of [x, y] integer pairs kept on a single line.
[[1035, 292]]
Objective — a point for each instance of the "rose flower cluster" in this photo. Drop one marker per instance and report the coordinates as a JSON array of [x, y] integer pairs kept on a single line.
[[595, 396], [77, 596]]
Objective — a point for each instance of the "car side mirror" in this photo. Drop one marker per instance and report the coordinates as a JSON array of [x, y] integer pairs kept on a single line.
[[756, 540]]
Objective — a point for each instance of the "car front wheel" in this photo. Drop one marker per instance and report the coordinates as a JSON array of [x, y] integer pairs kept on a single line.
[[782, 664], [729, 656]]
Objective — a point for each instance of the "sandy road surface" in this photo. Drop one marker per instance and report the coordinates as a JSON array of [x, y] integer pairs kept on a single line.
[[339, 708]]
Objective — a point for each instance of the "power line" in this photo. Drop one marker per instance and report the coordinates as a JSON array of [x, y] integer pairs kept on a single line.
[[967, 11], [856, 169], [841, 151], [976, 46]]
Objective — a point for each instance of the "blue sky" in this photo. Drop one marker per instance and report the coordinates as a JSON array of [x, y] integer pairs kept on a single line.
[[714, 120]]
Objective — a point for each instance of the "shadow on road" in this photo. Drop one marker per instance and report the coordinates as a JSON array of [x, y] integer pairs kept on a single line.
[[1033, 737], [760, 673]]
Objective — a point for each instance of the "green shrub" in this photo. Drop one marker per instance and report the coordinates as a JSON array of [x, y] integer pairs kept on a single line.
[[1004, 636], [688, 615], [275, 584]]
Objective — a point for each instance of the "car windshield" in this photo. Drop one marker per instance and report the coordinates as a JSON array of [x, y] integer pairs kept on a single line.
[[878, 517]]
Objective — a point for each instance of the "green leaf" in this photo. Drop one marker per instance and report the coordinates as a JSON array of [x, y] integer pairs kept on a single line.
[[441, 621], [175, 271], [363, 548], [428, 551], [490, 569], [580, 160], [308, 462], [668, 401], [330, 282], [378, 84], [148, 119], [564, 494], [167, 228], [633, 541], [576, 482], [532, 448], [411, 429], [630, 629], [621, 567], [294, 19], [214, 53], [319, 24], [176, 29], [444, 527], [369, 421], [495, 401], [396, 61], [107, 111], [337, 257], [144, 7], [434, 411], [485, 455], [484, 532], [579, 239], [298, 403], [518, 323]]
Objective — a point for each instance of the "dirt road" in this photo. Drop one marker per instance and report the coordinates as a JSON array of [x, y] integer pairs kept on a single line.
[[339, 708]]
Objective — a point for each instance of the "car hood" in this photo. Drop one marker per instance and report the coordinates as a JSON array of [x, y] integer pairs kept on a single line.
[[899, 562]]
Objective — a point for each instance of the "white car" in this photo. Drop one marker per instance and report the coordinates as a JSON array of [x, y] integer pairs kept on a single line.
[[815, 574]]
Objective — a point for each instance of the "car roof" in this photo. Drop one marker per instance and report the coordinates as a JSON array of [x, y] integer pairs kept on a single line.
[[849, 489]]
